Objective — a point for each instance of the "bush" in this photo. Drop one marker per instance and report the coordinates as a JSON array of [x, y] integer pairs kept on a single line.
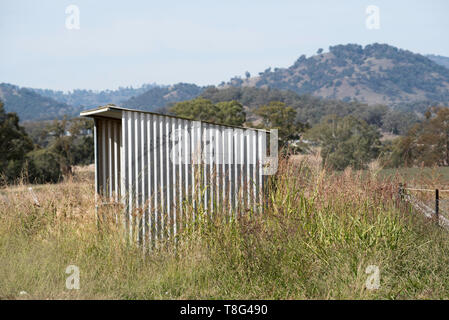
[[43, 166]]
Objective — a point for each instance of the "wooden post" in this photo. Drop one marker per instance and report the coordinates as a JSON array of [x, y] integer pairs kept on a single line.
[[437, 204], [400, 194]]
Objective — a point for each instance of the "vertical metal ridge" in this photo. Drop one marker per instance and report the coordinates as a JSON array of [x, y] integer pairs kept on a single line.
[[109, 159], [131, 190], [124, 168], [136, 144], [188, 163], [156, 174], [150, 173], [168, 188], [205, 167], [115, 159], [253, 167], [143, 176], [163, 197], [261, 147], [175, 146], [231, 138]]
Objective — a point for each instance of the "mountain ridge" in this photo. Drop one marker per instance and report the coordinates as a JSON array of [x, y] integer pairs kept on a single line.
[[30, 105], [376, 73]]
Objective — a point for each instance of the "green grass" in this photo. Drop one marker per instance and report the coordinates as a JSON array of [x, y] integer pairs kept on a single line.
[[315, 240]]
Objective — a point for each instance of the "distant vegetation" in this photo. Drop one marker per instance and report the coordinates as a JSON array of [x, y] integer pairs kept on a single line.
[[228, 112], [30, 105], [443, 61], [91, 98], [311, 109], [39, 104], [425, 144], [159, 97]]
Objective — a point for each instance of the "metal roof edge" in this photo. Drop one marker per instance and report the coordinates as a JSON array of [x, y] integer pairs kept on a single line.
[[102, 109]]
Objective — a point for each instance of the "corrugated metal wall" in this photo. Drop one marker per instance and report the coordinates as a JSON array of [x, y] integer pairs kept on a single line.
[[162, 168]]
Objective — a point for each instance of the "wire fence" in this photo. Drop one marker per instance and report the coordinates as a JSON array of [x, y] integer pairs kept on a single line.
[[433, 203]]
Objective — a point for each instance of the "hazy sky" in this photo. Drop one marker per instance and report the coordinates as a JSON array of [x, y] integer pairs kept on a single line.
[[122, 43]]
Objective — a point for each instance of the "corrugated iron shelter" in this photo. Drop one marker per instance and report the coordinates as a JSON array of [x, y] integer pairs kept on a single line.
[[157, 165]]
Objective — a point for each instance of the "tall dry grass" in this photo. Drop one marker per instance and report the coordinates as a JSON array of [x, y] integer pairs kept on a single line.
[[318, 233]]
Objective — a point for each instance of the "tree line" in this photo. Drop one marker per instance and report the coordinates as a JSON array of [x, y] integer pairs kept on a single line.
[[348, 140]]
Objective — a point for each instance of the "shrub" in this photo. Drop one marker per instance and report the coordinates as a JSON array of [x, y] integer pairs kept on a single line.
[[43, 166]]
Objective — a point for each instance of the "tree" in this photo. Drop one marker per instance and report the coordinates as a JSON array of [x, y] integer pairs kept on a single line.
[[276, 115], [81, 130], [426, 143], [227, 113], [61, 144], [397, 122], [14, 145], [43, 166], [346, 142], [71, 143], [247, 75], [231, 113]]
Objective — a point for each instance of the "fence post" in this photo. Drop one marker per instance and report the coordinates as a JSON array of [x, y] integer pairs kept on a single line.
[[400, 193], [437, 204]]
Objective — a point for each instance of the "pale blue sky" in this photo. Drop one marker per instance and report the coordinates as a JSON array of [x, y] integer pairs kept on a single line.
[[204, 42]]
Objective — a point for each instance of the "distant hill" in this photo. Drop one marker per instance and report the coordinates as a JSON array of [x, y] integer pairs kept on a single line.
[[376, 73], [30, 105], [443, 61], [159, 97], [91, 98]]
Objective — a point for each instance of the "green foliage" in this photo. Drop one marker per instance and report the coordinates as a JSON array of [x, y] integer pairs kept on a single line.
[[311, 109], [69, 141], [231, 113], [83, 151], [276, 115], [228, 113], [43, 166], [426, 143], [397, 122], [14, 144], [346, 142]]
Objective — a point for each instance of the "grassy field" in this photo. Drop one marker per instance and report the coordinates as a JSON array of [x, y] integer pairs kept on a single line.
[[315, 240]]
